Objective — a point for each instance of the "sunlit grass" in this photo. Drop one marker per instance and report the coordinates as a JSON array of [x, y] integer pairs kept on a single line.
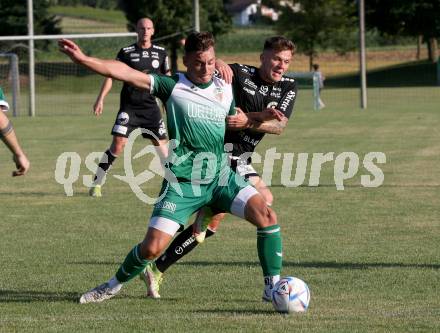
[[369, 255]]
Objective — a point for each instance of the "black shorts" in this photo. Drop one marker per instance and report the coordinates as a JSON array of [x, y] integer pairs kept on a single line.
[[127, 121]]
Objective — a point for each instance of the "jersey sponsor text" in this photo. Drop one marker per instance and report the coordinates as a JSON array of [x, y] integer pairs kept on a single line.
[[205, 112], [166, 205]]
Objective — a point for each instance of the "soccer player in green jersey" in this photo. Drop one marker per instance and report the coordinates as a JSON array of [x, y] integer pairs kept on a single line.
[[256, 91], [197, 105], [7, 135]]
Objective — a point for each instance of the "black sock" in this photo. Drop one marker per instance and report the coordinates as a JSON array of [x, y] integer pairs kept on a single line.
[[106, 162], [183, 244]]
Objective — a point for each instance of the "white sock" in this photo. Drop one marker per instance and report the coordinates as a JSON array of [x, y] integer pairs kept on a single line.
[[113, 283], [269, 281]]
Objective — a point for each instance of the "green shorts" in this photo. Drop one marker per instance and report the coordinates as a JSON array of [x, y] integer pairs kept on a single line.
[[178, 201]]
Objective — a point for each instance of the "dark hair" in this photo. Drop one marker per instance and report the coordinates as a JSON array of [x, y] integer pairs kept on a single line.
[[279, 43], [199, 42], [315, 67]]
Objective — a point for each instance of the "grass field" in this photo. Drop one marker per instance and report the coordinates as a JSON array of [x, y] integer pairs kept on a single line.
[[82, 19], [369, 255]]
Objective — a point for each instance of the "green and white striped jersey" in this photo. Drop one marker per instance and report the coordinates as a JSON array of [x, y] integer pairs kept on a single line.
[[196, 116]]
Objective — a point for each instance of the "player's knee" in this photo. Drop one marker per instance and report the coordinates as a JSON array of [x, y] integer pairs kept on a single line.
[[259, 214], [149, 251], [267, 217], [270, 218]]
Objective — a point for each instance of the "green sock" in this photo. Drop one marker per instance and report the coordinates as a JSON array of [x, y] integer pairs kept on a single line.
[[132, 265], [270, 249]]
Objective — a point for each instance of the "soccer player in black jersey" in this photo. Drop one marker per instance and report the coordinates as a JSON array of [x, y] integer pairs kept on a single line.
[[260, 93], [138, 109]]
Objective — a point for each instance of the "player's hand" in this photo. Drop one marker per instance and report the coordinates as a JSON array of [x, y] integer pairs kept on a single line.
[[98, 108], [224, 70], [71, 49], [22, 164], [238, 121]]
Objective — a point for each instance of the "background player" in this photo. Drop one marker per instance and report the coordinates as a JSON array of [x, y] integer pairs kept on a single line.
[[316, 69], [256, 91], [199, 105], [137, 107], [7, 135]]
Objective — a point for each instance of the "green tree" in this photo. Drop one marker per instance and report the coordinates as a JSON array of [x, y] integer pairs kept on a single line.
[[407, 18], [14, 20], [174, 18], [318, 24]]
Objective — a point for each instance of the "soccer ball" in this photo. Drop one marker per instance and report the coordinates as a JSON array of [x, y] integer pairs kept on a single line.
[[290, 294]]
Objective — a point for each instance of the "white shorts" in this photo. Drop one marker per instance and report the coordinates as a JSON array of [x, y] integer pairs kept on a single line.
[[168, 226], [239, 204]]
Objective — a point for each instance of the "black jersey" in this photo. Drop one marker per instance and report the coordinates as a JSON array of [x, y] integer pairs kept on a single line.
[[252, 94], [151, 60]]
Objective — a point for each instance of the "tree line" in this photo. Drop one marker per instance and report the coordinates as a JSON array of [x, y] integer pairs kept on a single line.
[[314, 25]]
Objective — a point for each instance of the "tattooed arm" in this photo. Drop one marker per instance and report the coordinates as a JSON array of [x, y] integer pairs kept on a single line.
[[269, 121]]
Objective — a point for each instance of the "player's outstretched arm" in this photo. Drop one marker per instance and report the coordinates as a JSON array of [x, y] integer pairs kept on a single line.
[[110, 68], [8, 136]]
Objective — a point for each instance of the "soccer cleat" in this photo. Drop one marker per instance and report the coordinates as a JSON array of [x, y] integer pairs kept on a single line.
[[99, 294], [269, 283], [152, 278], [95, 191], [267, 294], [200, 225]]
